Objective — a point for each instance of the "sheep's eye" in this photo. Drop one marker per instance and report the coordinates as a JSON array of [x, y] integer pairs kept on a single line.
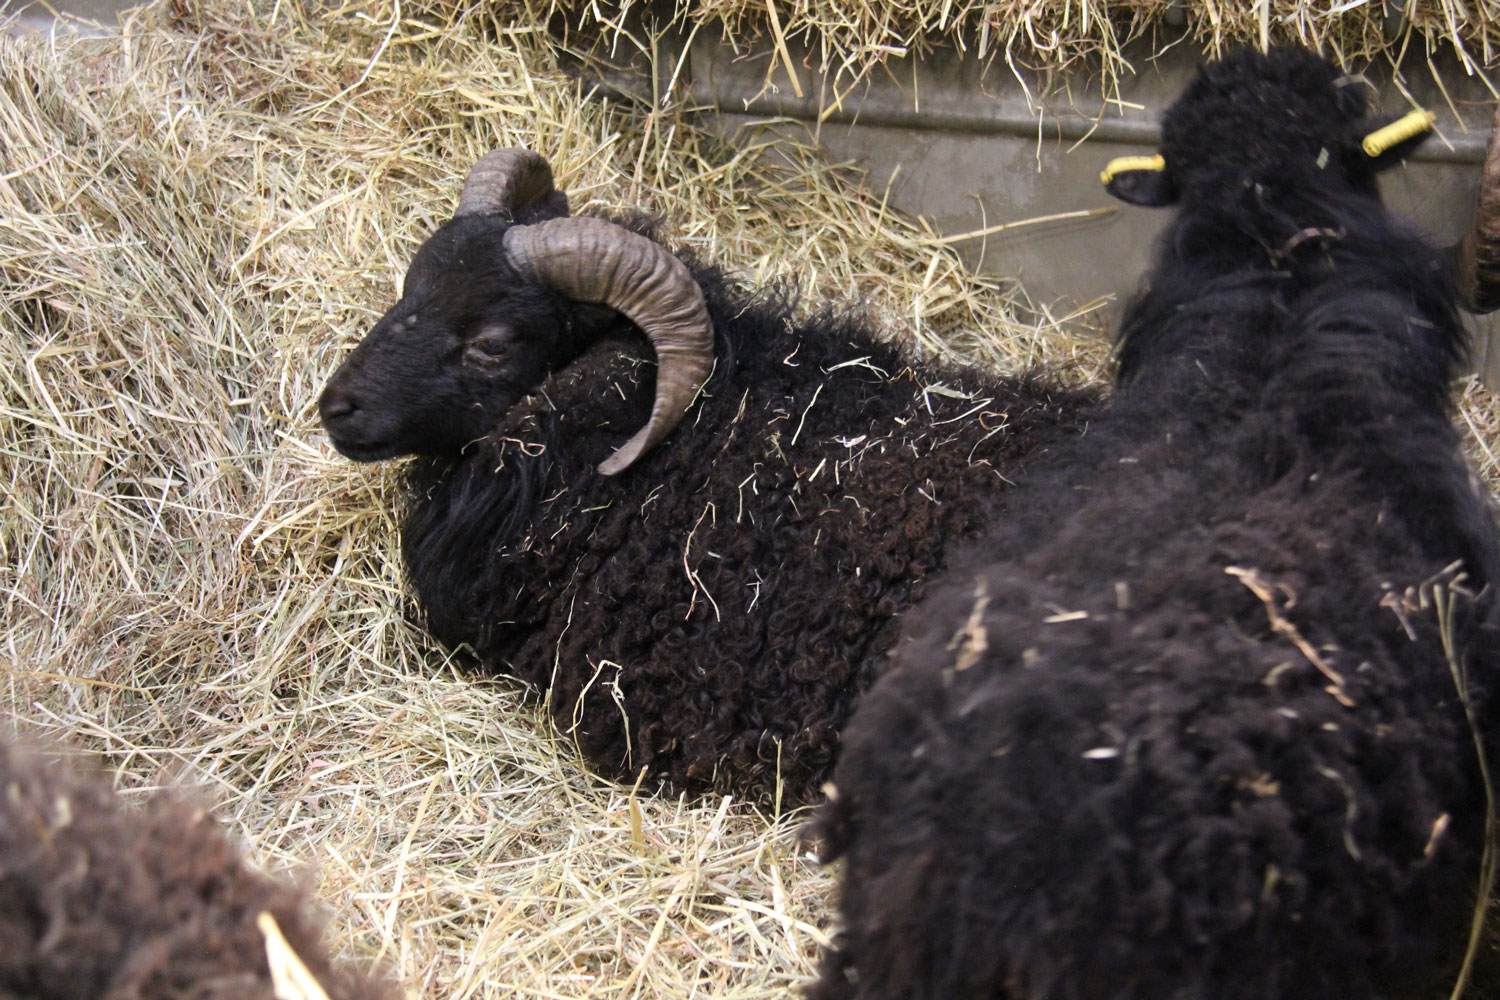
[[491, 342]]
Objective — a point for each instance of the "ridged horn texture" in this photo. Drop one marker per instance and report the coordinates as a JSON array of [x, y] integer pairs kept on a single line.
[[1478, 253], [505, 180], [592, 260]]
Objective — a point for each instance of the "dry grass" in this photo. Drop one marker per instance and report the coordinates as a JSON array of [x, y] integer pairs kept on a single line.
[[197, 218], [852, 39]]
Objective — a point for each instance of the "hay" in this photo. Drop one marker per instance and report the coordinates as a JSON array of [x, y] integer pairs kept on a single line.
[[853, 39], [197, 218]]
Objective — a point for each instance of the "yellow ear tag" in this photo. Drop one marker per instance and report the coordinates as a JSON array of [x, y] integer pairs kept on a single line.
[[1122, 164], [1408, 126]]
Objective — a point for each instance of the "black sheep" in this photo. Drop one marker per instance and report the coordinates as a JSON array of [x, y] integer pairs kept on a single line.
[[99, 900], [704, 604], [1199, 717]]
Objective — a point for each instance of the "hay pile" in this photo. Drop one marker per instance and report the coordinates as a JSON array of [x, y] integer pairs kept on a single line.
[[197, 218], [855, 38]]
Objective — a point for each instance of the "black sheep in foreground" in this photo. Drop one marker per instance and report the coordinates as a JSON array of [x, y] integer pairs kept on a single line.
[[706, 603], [1199, 717], [100, 901]]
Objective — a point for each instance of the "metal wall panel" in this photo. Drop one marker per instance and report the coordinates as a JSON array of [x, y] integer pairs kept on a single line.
[[971, 145]]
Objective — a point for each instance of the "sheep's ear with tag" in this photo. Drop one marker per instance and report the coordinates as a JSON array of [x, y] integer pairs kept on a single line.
[[1140, 180], [1384, 142]]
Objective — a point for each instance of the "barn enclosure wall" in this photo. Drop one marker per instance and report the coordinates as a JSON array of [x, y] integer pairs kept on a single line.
[[1004, 162]]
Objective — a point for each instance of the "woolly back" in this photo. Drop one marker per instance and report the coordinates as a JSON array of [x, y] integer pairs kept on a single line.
[[1281, 250]]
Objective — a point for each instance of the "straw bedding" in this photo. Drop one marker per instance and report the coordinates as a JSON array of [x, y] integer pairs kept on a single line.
[[197, 218]]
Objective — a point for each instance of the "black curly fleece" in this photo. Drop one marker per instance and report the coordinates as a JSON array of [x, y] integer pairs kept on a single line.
[[712, 614], [1182, 724]]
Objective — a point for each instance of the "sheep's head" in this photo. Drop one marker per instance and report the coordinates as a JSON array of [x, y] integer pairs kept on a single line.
[[1255, 127], [505, 292]]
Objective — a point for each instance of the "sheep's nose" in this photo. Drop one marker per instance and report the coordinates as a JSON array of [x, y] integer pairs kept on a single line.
[[336, 406]]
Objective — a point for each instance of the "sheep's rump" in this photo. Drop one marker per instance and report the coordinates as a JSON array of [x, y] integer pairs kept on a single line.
[[1183, 726], [100, 900]]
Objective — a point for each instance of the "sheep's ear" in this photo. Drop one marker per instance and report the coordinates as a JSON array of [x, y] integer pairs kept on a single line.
[[1140, 180], [553, 206], [1386, 141]]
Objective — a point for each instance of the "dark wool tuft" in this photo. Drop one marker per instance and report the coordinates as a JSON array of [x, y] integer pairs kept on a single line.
[[1183, 724], [712, 614], [99, 901]]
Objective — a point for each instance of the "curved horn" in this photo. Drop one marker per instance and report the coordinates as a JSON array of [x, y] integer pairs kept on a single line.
[[505, 180], [1478, 253], [592, 260]]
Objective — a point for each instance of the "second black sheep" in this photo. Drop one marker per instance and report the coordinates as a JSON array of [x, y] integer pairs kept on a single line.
[[1223, 727]]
